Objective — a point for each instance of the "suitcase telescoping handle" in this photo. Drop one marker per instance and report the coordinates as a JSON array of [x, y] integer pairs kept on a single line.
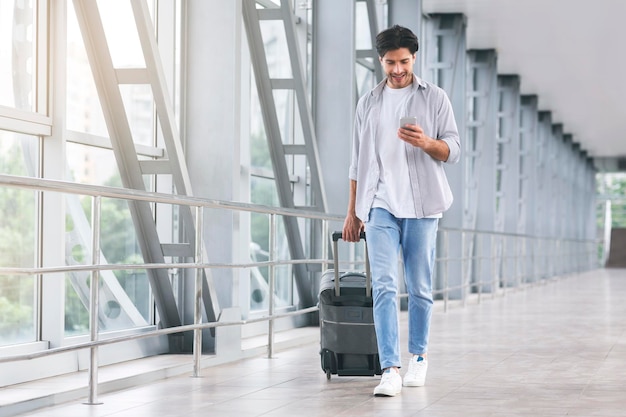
[[368, 275]]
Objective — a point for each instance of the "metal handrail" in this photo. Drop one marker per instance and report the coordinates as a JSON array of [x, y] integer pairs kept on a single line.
[[199, 203], [67, 187]]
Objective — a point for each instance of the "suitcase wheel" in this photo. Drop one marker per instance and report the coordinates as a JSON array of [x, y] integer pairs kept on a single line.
[[328, 362]]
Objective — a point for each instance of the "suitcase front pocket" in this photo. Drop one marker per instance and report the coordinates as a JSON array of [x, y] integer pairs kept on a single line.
[[354, 314]]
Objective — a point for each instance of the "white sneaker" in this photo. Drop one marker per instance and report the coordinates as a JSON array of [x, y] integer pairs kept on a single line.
[[390, 384], [416, 374]]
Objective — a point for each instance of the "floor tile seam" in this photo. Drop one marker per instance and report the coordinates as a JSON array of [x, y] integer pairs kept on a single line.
[[429, 403], [592, 379], [104, 397], [256, 391], [471, 380], [124, 410], [261, 373], [273, 410]]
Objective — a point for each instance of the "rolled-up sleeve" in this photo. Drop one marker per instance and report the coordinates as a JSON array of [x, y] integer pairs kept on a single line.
[[356, 142], [447, 129]]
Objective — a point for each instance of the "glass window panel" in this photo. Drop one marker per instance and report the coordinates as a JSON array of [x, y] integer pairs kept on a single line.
[[302, 190], [18, 240], [309, 55], [119, 245], [259, 150], [259, 227], [259, 276], [17, 54], [262, 191], [124, 295], [91, 165], [365, 78], [276, 49], [284, 100], [363, 35], [84, 113], [121, 33], [284, 277], [139, 107], [76, 308]]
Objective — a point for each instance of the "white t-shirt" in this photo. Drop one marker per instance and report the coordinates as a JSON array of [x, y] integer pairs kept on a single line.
[[394, 186]]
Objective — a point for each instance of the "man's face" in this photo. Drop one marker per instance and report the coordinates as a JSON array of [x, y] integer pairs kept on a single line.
[[398, 65]]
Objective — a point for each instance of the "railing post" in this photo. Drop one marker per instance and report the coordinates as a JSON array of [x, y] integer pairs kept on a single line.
[[544, 259], [325, 238], [518, 253], [533, 260], [465, 275], [494, 266], [479, 264], [446, 283], [94, 304], [547, 244], [197, 316], [501, 262], [557, 257], [538, 258], [272, 280], [526, 260]]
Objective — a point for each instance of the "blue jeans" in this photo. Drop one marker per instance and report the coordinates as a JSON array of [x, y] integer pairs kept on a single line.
[[417, 237]]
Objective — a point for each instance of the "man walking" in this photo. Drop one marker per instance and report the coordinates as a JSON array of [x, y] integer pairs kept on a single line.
[[399, 190]]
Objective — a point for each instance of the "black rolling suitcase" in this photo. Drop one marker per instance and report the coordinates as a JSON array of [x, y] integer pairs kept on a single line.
[[347, 340]]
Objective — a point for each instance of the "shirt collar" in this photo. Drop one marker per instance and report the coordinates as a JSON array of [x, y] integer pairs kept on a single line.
[[417, 82]]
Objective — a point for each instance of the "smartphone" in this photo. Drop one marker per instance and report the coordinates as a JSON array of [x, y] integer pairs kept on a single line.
[[408, 120]]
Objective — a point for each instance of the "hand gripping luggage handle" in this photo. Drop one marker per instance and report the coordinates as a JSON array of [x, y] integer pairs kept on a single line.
[[368, 275]]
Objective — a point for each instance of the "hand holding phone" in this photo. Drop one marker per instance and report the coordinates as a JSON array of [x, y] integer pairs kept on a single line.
[[407, 120]]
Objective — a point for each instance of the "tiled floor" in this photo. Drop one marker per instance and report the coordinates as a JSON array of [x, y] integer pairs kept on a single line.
[[557, 349]]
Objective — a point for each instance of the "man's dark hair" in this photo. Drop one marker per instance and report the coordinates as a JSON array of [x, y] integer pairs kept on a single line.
[[396, 37]]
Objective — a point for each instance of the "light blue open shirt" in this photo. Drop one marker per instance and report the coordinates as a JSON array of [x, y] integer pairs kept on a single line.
[[431, 191]]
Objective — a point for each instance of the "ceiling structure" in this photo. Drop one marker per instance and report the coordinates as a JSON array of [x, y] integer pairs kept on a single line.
[[567, 52]]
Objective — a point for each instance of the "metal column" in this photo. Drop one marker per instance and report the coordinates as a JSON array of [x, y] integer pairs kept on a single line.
[[334, 95], [558, 205], [544, 191], [479, 152], [507, 172], [528, 180], [568, 223], [445, 61]]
